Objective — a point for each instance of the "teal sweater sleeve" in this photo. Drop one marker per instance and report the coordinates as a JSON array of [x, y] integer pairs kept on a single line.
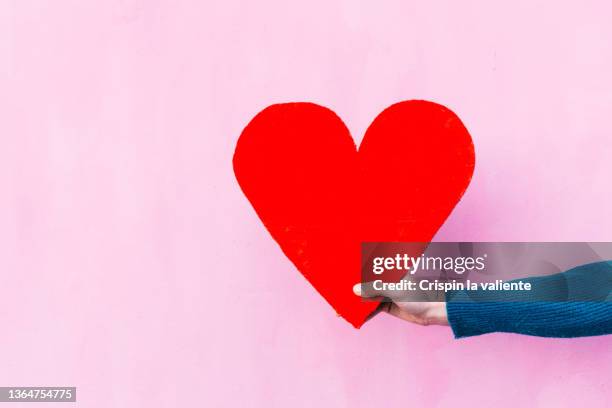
[[585, 309]]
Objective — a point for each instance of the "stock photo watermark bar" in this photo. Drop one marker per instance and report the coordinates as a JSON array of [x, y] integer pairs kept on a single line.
[[488, 271], [37, 394]]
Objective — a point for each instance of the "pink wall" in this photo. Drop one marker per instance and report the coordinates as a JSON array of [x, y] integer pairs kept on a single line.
[[133, 267]]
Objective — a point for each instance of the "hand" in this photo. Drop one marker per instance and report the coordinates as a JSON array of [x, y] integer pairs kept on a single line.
[[423, 313]]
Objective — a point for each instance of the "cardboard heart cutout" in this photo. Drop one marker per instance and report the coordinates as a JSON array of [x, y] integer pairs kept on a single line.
[[320, 198]]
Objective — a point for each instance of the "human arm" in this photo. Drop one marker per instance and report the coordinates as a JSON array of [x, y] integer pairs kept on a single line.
[[585, 311]]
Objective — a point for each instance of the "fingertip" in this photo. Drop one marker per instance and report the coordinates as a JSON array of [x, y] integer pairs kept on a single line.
[[357, 289]]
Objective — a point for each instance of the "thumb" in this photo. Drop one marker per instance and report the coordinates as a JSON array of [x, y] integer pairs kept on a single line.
[[367, 290]]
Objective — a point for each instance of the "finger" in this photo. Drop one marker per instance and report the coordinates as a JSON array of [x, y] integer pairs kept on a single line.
[[382, 307], [367, 290], [395, 310]]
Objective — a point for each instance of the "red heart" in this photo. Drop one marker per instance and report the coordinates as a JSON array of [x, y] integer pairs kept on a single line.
[[320, 198]]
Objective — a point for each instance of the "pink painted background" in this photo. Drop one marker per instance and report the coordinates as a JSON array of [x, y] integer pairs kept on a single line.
[[132, 266]]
